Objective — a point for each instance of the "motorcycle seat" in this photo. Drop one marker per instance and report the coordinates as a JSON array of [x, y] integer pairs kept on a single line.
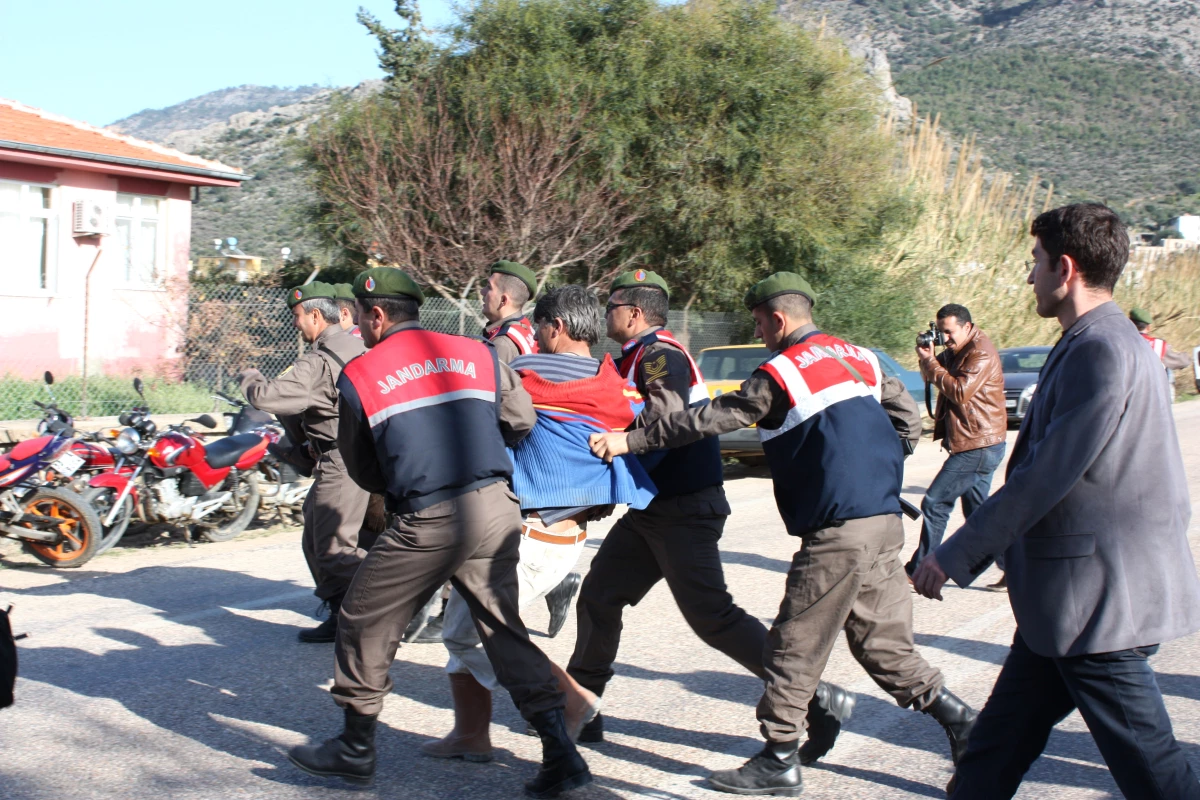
[[4, 464], [226, 452]]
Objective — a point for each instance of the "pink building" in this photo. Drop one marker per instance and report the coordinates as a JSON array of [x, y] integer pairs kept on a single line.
[[95, 231]]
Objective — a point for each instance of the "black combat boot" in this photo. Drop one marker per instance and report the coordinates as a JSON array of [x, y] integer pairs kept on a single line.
[[774, 771], [562, 766], [327, 630], [559, 600], [956, 717], [350, 756], [829, 708], [593, 731]]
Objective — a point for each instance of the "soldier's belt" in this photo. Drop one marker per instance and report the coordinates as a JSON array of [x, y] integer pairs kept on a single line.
[[324, 448], [552, 538]]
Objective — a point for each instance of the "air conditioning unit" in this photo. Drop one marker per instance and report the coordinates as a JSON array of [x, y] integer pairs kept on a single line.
[[91, 217]]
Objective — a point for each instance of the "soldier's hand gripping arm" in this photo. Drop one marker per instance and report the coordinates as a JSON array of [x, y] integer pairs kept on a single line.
[[517, 416], [290, 393]]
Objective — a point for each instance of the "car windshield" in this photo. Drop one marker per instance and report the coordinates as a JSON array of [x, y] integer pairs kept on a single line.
[[732, 364], [1023, 361]]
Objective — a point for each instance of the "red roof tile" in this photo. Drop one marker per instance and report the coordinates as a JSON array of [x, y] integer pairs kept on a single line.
[[27, 125]]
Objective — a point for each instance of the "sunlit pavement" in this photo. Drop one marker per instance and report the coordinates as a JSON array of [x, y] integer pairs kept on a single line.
[[175, 672]]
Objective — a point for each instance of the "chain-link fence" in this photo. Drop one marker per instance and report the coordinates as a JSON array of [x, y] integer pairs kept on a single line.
[[231, 327]]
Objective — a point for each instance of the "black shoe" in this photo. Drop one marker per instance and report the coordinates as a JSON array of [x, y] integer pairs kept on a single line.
[[350, 756], [956, 717], [829, 708], [562, 766], [327, 630], [774, 771], [559, 600], [592, 732], [432, 632]]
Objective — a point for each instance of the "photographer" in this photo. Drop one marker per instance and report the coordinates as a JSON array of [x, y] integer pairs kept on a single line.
[[970, 420]]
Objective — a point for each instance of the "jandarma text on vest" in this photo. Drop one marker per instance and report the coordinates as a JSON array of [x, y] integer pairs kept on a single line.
[[812, 356], [414, 371]]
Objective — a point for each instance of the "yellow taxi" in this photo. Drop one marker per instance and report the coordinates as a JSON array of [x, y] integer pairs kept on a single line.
[[724, 369]]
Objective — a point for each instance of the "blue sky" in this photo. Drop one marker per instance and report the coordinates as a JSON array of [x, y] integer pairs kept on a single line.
[[102, 61]]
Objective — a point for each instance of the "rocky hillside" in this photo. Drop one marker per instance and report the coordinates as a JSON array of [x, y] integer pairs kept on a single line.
[[1102, 97]]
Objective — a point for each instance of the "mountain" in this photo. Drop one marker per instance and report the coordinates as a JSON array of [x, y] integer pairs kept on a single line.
[[252, 127], [1101, 97]]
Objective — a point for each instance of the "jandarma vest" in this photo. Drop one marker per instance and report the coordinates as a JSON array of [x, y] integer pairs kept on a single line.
[[685, 469], [1158, 345], [836, 457], [521, 333], [433, 403]]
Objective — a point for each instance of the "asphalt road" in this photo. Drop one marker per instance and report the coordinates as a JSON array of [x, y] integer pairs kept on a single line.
[[174, 672]]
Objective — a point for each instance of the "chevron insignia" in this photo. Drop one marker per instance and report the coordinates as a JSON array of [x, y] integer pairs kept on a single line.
[[656, 369]]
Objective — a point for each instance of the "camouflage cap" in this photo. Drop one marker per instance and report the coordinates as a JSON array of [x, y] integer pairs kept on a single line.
[[343, 291], [309, 291], [777, 284], [387, 282], [1141, 315], [639, 277], [519, 271]]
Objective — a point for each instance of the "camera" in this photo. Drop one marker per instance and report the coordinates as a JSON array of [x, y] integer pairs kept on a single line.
[[931, 338]]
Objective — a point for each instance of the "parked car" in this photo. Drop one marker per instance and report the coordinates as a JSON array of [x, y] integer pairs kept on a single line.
[[724, 369], [1021, 366]]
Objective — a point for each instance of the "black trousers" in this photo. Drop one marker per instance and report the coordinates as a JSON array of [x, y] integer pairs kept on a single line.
[[674, 539], [1120, 701]]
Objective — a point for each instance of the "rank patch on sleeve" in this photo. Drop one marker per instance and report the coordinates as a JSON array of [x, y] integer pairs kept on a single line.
[[656, 369]]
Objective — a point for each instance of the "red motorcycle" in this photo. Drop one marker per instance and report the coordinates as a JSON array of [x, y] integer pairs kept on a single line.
[[175, 477]]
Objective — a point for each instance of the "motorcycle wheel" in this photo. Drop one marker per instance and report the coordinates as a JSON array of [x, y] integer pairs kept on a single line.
[[80, 530], [101, 498], [228, 523]]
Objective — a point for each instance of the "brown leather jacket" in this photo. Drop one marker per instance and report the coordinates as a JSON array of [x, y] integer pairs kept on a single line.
[[970, 410]]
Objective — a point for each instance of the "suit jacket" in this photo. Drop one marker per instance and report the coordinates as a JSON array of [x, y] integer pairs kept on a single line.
[[1092, 519]]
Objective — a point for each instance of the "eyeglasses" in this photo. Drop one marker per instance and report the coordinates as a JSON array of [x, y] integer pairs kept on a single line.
[[1029, 265], [608, 309]]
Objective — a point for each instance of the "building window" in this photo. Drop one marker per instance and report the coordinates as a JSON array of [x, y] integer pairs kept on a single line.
[[139, 238], [26, 237]]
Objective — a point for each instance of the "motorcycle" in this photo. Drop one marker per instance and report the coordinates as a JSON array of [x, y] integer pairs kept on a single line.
[[174, 477], [285, 489], [55, 525]]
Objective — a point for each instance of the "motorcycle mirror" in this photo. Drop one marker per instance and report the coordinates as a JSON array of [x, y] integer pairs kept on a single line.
[[48, 377], [205, 420], [137, 387]]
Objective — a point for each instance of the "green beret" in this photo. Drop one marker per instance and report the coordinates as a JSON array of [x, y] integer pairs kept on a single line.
[[309, 291], [1140, 315], [343, 291], [519, 271], [777, 284], [639, 277], [387, 282]]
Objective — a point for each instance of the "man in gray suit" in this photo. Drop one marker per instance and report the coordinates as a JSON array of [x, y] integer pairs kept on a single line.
[[1092, 522]]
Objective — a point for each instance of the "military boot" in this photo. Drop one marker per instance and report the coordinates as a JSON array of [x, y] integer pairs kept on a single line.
[[470, 739], [829, 708], [350, 756], [956, 717], [559, 600], [562, 766], [327, 630], [774, 771]]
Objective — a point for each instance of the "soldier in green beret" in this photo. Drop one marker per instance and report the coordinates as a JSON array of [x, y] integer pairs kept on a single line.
[[1171, 359], [509, 287], [344, 297], [837, 463], [424, 419], [305, 399]]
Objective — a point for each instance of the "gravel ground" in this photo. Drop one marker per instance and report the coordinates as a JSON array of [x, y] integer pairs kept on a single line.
[[174, 671]]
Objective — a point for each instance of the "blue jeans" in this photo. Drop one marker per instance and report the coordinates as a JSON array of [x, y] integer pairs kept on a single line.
[[967, 475], [1120, 701]]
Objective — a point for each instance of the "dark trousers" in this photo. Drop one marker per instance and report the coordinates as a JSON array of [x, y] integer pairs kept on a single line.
[[333, 511], [967, 475], [1120, 701], [674, 539], [473, 541]]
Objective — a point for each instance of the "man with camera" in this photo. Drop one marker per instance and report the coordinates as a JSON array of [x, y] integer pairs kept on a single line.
[[970, 420]]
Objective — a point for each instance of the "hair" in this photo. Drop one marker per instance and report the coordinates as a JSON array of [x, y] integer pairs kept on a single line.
[[954, 310], [344, 302], [396, 309], [792, 305], [514, 287], [577, 307], [650, 299], [1141, 326], [1092, 234], [328, 308]]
